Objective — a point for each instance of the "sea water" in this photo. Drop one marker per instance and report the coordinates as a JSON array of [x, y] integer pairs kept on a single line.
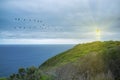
[[13, 57]]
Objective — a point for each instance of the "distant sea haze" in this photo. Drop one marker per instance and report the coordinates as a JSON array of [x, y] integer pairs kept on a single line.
[[13, 57]]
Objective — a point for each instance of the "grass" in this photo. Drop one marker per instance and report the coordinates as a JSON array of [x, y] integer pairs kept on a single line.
[[78, 51], [2, 78], [90, 61]]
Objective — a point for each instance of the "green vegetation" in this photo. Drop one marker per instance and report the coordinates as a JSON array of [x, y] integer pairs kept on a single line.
[[2, 78], [90, 61], [31, 73], [78, 51]]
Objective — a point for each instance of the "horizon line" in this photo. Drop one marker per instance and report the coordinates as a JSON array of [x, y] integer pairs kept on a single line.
[[41, 41]]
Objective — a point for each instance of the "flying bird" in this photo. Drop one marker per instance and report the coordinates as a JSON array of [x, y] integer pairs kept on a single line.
[[18, 19], [23, 19]]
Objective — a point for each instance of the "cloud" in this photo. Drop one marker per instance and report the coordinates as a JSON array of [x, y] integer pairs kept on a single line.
[[45, 35], [42, 41], [78, 18]]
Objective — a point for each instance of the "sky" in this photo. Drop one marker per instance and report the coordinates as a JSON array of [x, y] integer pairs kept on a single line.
[[58, 21]]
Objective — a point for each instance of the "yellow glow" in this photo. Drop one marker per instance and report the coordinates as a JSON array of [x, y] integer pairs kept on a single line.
[[98, 34]]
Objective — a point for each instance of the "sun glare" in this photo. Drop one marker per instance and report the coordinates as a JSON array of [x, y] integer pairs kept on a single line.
[[98, 34]]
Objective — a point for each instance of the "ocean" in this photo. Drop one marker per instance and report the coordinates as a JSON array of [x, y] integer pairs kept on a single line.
[[13, 57]]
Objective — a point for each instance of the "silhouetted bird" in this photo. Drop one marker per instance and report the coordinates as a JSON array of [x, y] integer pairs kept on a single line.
[[18, 19], [23, 19]]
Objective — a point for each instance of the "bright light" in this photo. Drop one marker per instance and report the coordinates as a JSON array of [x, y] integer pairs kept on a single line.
[[98, 34]]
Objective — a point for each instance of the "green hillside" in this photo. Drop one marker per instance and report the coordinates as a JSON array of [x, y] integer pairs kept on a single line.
[[2, 78], [88, 61], [78, 51]]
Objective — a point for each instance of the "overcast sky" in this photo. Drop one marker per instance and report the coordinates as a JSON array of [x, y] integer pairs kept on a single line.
[[58, 21]]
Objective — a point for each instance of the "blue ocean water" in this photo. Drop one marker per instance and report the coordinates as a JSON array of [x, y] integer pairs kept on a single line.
[[12, 57]]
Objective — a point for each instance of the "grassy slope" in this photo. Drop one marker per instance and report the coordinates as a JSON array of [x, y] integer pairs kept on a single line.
[[90, 61], [2, 79], [75, 53]]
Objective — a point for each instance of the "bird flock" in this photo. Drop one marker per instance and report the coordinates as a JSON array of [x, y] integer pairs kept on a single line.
[[37, 24], [30, 20]]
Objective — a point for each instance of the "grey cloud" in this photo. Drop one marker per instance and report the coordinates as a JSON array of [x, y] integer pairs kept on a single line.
[[78, 18]]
